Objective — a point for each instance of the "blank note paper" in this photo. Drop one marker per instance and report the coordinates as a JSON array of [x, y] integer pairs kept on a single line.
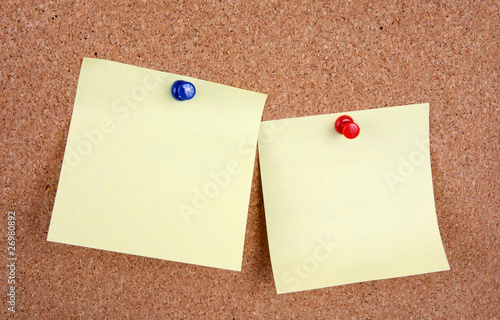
[[148, 175], [340, 211]]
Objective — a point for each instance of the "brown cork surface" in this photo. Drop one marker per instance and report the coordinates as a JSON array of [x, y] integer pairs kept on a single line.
[[311, 57]]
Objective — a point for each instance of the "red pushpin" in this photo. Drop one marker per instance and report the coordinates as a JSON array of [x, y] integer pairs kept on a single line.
[[346, 126]]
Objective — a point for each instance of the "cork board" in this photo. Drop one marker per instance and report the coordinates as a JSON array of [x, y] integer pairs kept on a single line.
[[311, 58]]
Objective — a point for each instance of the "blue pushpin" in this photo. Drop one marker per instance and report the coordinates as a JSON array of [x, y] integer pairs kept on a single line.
[[183, 90]]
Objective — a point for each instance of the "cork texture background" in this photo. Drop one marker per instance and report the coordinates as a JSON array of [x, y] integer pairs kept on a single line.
[[310, 57]]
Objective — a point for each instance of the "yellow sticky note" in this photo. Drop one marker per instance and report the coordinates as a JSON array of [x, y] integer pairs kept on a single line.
[[340, 211], [148, 175]]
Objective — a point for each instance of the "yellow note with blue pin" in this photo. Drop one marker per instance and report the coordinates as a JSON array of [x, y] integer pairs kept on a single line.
[[157, 165]]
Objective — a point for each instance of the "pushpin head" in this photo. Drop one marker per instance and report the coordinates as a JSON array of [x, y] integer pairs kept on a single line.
[[183, 90], [346, 126]]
